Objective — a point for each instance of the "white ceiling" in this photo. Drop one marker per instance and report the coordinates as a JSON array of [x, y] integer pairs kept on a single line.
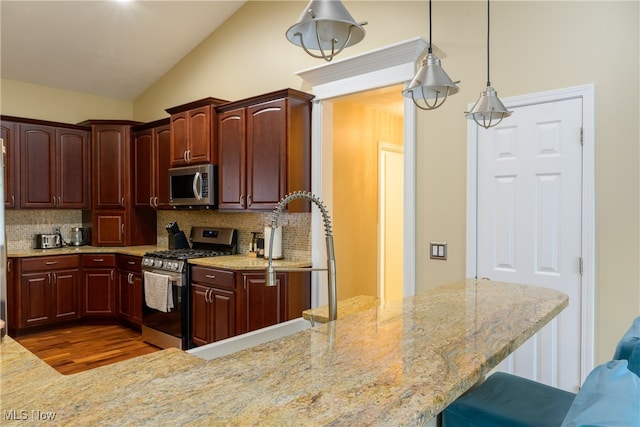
[[109, 48]]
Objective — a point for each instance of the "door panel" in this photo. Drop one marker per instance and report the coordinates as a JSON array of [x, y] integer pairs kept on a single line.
[[529, 226]]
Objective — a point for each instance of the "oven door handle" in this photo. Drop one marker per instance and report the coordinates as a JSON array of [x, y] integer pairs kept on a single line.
[[197, 183]]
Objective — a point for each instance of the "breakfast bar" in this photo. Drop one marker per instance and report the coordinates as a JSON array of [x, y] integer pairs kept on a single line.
[[400, 363]]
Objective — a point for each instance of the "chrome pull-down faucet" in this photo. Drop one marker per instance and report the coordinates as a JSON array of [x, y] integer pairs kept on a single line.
[[270, 276]]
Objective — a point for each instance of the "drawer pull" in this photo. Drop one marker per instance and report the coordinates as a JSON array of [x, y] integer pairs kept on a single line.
[[51, 262], [131, 262], [98, 260], [210, 276]]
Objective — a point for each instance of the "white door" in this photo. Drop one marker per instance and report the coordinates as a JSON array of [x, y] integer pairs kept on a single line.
[[390, 213], [529, 188]]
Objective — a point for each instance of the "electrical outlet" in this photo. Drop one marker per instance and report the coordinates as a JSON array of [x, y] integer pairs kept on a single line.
[[438, 250]]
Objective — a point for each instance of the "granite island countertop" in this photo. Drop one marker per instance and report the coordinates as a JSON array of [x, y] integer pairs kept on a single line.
[[398, 364]]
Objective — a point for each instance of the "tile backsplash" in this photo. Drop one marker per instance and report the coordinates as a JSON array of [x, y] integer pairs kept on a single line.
[[23, 224], [296, 228]]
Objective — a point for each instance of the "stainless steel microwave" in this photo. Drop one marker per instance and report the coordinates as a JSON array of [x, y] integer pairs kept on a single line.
[[193, 186]]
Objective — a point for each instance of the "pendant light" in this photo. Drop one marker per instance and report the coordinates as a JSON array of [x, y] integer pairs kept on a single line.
[[431, 86], [325, 26], [488, 110]]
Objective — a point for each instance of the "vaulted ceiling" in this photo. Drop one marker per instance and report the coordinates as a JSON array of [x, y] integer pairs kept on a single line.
[[114, 49]]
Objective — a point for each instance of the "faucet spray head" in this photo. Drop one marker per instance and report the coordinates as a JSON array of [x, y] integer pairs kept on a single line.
[[270, 276]]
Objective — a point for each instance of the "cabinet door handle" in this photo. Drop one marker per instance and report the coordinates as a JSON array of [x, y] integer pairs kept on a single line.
[[9, 266], [210, 276], [242, 200], [155, 202], [13, 200], [189, 156], [122, 228], [111, 274], [184, 156], [151, 201], [130, 278], [122, 202], [51, 262], [53, 278], [59, 201], [249, 200]]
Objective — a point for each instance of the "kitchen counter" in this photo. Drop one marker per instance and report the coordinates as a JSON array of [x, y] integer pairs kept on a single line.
[[346, 307], [244, 262], [230, 262], [398, 364], [73, 250]]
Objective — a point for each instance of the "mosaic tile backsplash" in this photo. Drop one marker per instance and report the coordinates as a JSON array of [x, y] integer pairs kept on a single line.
[[22, 225]]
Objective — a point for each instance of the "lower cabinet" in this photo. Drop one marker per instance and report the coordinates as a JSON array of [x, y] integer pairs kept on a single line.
[[213, 305], [228, 303], [49, 290], [130, 288], [99, 291]]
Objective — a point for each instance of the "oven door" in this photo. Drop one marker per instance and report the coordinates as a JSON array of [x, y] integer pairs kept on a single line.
[[167, 326]]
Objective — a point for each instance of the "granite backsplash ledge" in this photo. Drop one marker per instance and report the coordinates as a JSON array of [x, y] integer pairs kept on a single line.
[[21, 226]]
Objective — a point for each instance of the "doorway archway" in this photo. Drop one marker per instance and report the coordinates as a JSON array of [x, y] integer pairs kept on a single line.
[[391, 65]]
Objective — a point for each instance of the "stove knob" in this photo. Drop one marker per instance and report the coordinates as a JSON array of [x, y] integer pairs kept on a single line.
[[176, 266]]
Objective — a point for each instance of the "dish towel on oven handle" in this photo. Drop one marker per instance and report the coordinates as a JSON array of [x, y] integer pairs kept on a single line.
[[157, 291]]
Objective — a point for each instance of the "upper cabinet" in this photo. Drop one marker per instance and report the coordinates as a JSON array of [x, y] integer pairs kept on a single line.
[[152, 143], [264, 151], [47, 164], [114, 218], [9, 136], [193, 132]]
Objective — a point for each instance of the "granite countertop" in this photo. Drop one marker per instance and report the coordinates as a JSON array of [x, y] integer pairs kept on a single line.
[[346, 307], [230, 262], [398, 364]]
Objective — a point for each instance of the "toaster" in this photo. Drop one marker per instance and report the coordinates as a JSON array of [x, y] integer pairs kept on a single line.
[[47, 241]]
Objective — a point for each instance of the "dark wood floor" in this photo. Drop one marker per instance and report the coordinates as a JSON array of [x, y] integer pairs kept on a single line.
[[79, 348]]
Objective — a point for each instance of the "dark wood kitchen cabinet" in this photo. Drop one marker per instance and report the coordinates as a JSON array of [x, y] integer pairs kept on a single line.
[[54, 167], [267, 305], [152, 145], [264, 151], [193, 132], [99, 286], [114, 218], [49, 290], [130, 291], [213, 305], [8, 133]]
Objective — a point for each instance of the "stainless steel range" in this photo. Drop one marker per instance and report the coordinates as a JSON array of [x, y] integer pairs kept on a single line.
[[167, 290]]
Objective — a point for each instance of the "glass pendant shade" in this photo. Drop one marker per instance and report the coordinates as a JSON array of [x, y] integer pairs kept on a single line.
[[431, 85], [488, 110], [327, 27]]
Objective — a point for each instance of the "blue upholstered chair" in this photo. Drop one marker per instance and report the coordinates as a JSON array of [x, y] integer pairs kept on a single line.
[[509, 400], [610, 396]]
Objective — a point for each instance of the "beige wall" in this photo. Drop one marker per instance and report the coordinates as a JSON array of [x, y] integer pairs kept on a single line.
[[45, 103], [535, 46], [356, 133]]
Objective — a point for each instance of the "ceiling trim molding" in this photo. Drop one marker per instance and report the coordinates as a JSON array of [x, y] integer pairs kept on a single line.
[[327, 80]]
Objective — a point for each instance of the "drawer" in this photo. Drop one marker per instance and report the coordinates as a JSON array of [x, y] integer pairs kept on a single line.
[[213, 277], [130, 262], [99, 260], [48, 263]]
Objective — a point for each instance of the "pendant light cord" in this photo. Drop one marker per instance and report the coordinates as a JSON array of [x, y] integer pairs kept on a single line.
[[430, 38], [488, 32]]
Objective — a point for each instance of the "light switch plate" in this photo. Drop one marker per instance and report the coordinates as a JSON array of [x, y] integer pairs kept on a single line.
[[438, 250]]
